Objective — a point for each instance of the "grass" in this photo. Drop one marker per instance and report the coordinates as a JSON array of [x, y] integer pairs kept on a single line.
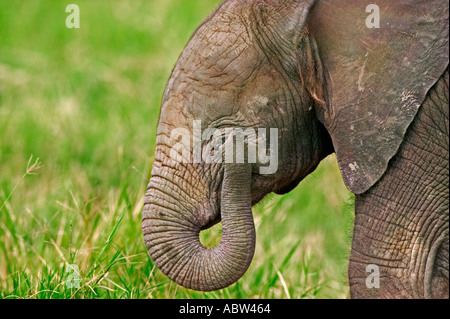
[[78, 115]]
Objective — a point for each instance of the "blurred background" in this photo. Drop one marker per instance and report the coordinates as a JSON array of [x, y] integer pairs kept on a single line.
[[78, 116]]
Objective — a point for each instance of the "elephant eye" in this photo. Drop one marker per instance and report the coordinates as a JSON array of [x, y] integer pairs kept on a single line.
[[258, 101]]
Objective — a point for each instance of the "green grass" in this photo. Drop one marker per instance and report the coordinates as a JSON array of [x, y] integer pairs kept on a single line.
[[78, 115]]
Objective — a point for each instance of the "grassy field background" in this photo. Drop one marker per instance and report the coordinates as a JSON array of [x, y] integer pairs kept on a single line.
[[78, 116]]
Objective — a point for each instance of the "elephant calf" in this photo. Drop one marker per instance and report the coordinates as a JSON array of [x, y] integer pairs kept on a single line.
[[327, 81]]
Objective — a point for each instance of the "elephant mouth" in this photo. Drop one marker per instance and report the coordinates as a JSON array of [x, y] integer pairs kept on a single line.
[[209, 211], [212, 223]]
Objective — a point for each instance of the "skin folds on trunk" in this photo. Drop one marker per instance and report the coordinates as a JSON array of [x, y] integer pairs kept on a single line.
[[172, 235]]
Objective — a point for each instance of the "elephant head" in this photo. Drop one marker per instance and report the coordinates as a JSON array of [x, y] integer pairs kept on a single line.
[[312, 70]]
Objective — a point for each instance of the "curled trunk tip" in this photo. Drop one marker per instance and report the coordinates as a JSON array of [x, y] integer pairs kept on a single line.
[[173, 240]]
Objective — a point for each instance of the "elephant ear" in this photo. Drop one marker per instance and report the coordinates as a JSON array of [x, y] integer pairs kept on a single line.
[[375, 78]]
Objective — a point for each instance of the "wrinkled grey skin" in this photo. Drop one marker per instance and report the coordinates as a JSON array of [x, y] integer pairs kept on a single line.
[[378, 98]]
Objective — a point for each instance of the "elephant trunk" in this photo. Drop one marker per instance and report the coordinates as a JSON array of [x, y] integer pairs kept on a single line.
[[171, 230]]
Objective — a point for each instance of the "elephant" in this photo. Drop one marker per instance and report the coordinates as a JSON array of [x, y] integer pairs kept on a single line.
[[329, 81]]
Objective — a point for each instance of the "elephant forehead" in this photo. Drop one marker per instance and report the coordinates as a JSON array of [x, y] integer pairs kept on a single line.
[[225, 32]]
